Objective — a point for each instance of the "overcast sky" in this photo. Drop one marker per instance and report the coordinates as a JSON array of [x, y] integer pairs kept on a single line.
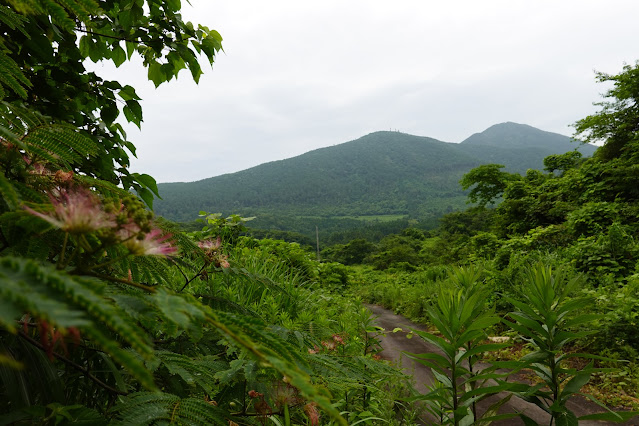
[[300, 75]]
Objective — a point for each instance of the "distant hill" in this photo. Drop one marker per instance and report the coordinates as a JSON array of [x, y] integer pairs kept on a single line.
[[378, 176]]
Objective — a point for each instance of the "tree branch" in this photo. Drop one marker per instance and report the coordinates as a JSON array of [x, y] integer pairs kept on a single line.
[[123, 281], [107, 36], [192, 278]]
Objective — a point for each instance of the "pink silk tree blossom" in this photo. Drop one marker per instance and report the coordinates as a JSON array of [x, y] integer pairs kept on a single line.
[[76, 212]]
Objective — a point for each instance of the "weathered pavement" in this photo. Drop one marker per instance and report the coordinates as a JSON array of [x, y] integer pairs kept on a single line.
[[394, 344]]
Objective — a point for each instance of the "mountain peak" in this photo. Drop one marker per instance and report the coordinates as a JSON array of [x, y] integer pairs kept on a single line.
[[512, 135]]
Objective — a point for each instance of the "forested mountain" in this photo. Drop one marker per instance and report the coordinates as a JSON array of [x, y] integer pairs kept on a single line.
[[518, 146], [383, 173]]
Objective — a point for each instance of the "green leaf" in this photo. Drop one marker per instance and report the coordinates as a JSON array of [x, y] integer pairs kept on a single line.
[[527, 420], [118, 56], [146, 196], [155, 74], [484, 323], [109, 113], [8, 192], [582, 319], [566, 418], [147, 181], [127, 93], [133, 112], [437, 341], [574, 385], [479, 349], [445, 380], [474, 394], [530, 324], [130, 48], [429, 359]]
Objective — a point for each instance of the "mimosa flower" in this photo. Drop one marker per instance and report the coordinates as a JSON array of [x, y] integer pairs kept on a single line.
[[210, 246], [76, 212], [313, 414], [213, 253], [150, 244]]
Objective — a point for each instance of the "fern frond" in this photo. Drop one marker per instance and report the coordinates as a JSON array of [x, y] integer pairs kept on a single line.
[[107, 189], [39, 379], [17, 226], [61, 140], [12, 19], [65, 301], [265, 280], [82, 292], [39, 135], [276, 353], [152, 270], [12, 77], [25, 288], [144, 408], [179, 312], [223, 303], [19, 119], [250, 334], [9, 193], [199, 373], [343, 374], [185, 244], [11, 127], [127, 359], [59, 16], [81, 9], [257, 331], [28, 194]]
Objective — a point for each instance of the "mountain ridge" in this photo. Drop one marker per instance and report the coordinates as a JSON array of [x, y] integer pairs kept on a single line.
[[381, 173]]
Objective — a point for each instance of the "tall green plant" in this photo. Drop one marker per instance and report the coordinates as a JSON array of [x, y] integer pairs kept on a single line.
[[547, 318], [462, 317]]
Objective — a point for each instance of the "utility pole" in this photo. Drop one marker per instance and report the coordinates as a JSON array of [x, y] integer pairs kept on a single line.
[[317, 239]]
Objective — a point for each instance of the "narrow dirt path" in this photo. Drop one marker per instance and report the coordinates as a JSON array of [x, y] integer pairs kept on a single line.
[[394, 344]]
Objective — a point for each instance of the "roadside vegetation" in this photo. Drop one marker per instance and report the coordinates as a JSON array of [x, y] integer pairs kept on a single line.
[[576, 219]]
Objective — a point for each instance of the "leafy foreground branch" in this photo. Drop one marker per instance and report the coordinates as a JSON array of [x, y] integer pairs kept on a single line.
[[99, 318]]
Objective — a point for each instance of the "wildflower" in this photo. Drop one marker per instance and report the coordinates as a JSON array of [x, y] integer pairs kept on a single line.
[[76, 212], [329, 345], [152, 243], [311, 411], [63, 177], [210, 246], [255, 394], [285, 394], [212, 250], [223, 262], [338, 339], [40, 170]]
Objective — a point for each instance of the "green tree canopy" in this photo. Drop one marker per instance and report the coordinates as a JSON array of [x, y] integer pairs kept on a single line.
[[488, 183], [44, 45], [617, 123], [562, 162]]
